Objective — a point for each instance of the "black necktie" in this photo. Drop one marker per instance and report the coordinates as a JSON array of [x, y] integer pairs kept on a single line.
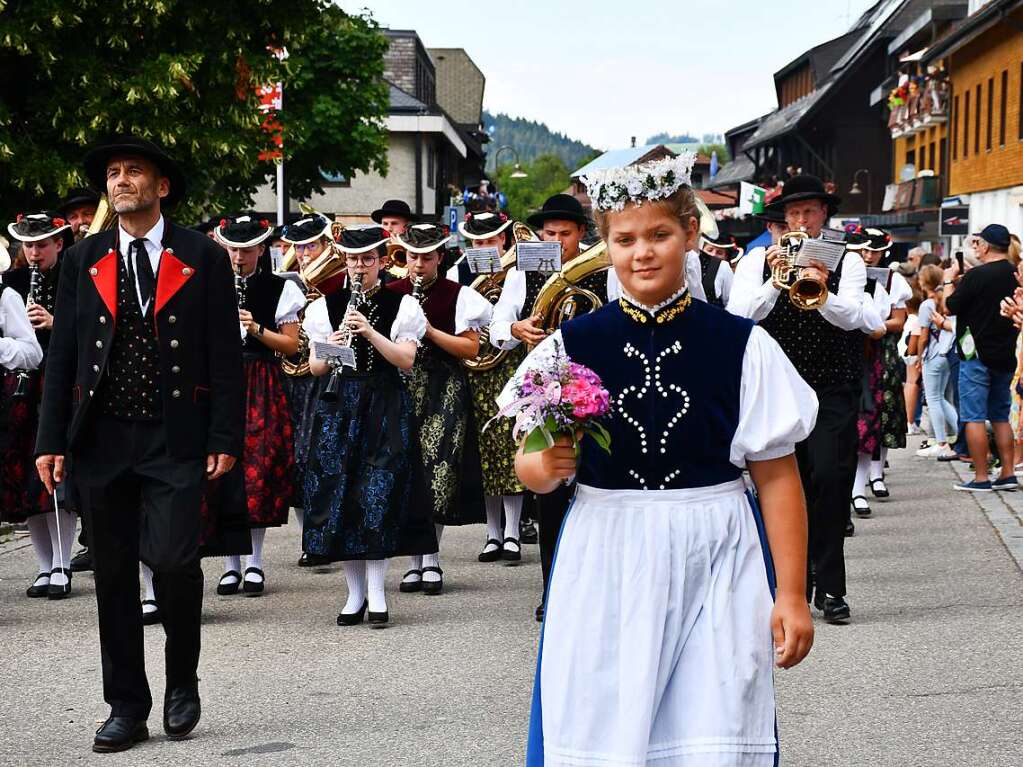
[[143, 269]]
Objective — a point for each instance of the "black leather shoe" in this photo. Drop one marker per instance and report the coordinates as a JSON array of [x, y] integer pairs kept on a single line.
[[152, 617], [59, 591], [312, 560], [509, 555], [410, 587], [41, 590], [254, 588], [491, 556], [835, 609], [850, 528], [181, 712], [119, 733], [227, 589], [377, 619], [860, 506], [81, 562], [539, 613], [433, 587], [879, 488], [352, 619], [528, 533]]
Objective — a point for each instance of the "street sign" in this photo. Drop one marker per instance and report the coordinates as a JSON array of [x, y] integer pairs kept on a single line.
[[954, 220]]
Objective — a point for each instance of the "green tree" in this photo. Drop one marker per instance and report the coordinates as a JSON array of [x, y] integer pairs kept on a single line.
[[184, 73], [546, 175]]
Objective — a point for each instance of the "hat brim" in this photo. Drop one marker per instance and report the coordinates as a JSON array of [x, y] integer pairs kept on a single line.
[[378, 215], [36, 237], [77, 202], [540, 217], [364, 248], [97, 160], [325, 233], [832, 200], [723, 246], [493, 233], [258, 240], [429, 249]]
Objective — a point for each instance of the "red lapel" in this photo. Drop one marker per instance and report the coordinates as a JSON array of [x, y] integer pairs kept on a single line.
[[173, 274], [104, 276]]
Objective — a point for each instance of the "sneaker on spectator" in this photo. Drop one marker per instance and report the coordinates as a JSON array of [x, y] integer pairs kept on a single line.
[[1006, 484], [973, 486], [947, 454], [933, 451], [914, 430]]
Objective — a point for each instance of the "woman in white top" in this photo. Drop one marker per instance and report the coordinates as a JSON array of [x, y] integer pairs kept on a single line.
[[937, 334]]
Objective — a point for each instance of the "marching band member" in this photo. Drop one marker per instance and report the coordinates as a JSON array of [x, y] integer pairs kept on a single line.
[[268, 308], [145, 358], [882, 405], [359, 480], [79, 209], [395, 216], [453, 491], [501, 488], [826, 347], [715, 253], [310, 236], [44, 237], [657, 642]]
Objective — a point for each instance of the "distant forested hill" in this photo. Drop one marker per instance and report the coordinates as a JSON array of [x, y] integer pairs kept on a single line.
[[532, 139], [667, 138]]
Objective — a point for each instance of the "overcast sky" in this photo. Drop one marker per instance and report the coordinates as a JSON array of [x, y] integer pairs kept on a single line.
[[604, 70]]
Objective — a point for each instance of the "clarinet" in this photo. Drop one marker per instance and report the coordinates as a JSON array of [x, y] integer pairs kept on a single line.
[[356, 300], [35, 292], [417, 289], [239, 286]]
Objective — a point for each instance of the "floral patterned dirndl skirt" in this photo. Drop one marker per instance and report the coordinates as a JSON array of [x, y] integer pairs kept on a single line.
[[497, 446], [893, 407], [22, 494], [868, 425]]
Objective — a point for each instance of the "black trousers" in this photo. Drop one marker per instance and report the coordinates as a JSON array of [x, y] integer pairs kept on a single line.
[[550, 514], [141, 503], [827, 467]]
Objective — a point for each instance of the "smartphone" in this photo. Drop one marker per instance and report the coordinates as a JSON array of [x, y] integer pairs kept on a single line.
[[959, 258]]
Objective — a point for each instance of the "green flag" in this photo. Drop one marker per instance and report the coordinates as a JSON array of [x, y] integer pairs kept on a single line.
[[751, 198]]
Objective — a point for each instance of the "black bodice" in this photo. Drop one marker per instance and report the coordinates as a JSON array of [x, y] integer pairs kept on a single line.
[[381, 309], [262, 295]]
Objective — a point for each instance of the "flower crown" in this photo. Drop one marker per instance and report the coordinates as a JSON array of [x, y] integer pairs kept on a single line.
[[613, 188]]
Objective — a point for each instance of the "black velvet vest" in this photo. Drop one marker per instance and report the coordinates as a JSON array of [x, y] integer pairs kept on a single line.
[[262, 294], [381, 309]]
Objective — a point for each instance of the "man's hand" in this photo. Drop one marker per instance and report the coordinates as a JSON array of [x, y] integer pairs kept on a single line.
[[218, 464], [51, 470], [40, 318], [528, 331], [774, 254], [951, 273], [792, 629]]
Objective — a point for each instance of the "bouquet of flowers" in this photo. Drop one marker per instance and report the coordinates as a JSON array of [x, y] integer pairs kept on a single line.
[[562, 397]]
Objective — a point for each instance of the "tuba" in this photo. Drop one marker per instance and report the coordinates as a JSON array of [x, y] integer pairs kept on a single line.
[[805, 292], [104, 219], [579, 288], [489, 286]]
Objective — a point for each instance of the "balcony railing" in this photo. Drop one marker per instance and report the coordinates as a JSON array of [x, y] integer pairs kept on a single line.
[[917, 104], [921, 192]]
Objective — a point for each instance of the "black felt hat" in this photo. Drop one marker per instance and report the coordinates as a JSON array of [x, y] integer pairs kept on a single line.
[[480, 226], [129, 146], [773, 213], [307, 229], [393, 208], [807, 187], [76, 198], [32, 227], [560, 207], [424, 238], [244, 230], [868, 239], [721, 241], [363, 239]]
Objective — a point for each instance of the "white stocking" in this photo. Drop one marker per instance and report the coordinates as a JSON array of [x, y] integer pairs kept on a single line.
[[39, 534], [233, 562], [414, 563], [433, 560], [877, 467], [493, 505], [61, 544], [255, 559], [300, 516], [512, 515], [862, 467], [376, 570], [355, 576]]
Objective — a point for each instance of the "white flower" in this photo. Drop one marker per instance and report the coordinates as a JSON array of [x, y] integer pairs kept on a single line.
[[612, 188]]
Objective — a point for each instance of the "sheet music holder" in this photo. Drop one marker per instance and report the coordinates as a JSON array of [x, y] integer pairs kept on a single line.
[[483, 260], [538, 257], [344, 355]]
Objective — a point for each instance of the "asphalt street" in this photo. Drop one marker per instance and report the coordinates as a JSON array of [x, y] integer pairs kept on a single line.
[[930, 671]]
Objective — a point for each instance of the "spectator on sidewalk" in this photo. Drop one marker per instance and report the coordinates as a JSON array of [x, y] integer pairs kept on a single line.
[[987, 346], [936, 339], [911, 356]]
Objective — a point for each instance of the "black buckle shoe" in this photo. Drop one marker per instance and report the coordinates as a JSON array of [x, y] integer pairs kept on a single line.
[[528, 533], [879, 488], [507, 554], [862, 508], [253, 588], [377, 620], [410, 587], [81, 562], [227, 589], [181, 712], [39, 590], [59, 591], [152, 617], [433, 587], [119, 733], [850, 528], [312, 560], [491, 556]]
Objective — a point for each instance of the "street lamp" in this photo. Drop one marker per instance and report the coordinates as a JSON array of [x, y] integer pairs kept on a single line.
[[856, 186], [517, 172]]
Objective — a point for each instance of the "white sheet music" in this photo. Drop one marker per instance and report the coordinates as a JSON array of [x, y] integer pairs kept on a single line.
[[538, 257], [826, 252], [344, 355], [483, 260], [879, 273]]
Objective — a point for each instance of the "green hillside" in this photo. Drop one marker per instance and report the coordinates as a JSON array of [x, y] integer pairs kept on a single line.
[[531, 140]]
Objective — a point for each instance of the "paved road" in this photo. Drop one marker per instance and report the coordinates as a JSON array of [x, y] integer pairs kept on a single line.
[[929, 672]]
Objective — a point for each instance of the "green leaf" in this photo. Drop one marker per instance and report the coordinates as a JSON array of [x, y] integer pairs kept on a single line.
[[600, 436], [536, 441]]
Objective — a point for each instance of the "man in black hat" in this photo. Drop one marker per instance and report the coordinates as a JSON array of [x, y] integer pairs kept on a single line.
[[716, 255], [145, 355], [79, 209], [826, 347], [394, 215]]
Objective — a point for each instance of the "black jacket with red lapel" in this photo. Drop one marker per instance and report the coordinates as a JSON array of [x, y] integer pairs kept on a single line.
[[196, 316]]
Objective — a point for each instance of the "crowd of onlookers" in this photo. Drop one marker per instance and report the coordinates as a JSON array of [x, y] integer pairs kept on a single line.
[[964, 356]]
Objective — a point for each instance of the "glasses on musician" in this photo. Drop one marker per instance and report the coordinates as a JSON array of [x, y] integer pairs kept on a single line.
[[365, 259]]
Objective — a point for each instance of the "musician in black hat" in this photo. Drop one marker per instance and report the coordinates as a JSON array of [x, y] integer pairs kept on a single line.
[[44, 236], [716, 251], [145, 356], [79, 209], [394, 215], [826, 346]]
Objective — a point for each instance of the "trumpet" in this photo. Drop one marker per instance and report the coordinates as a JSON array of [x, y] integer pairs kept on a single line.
[[805, 291], [356, 300]]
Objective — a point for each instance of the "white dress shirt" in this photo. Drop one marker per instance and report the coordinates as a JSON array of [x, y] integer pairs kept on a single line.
[[154, 247], [753, 297], [19, 349]]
